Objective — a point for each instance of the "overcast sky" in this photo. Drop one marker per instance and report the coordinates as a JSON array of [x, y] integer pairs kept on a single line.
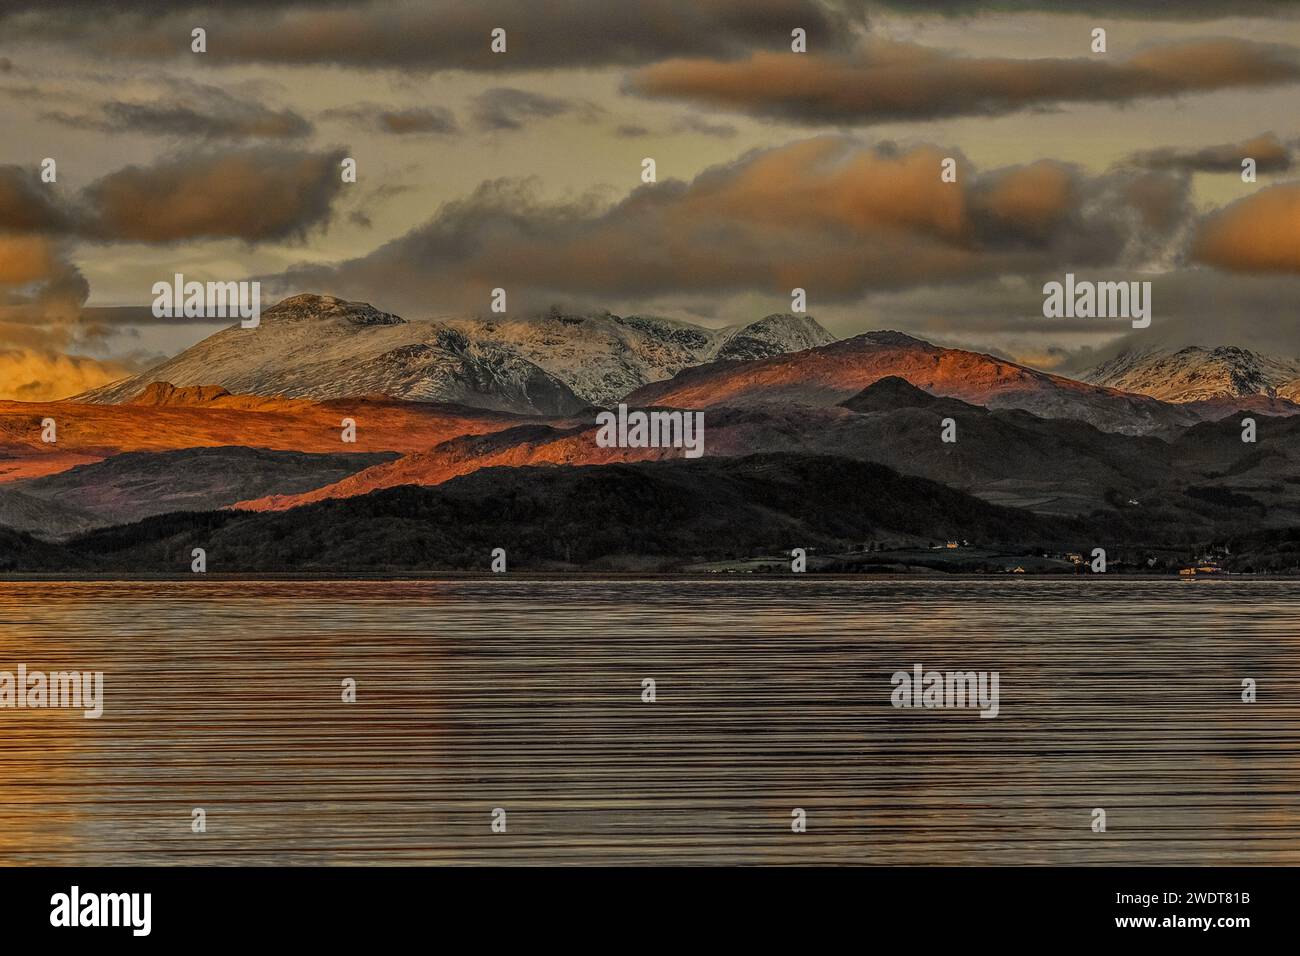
[[775, 169]]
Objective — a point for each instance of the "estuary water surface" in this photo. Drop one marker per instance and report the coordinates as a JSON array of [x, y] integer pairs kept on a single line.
[[770, 695]]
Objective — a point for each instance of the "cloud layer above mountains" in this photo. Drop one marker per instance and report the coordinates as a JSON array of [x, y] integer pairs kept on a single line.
[[889, 81], [253, 194], [818, 170], [828, 214], [449, 34]]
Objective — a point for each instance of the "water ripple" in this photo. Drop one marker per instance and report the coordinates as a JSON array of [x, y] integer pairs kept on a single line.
[[771, 695]]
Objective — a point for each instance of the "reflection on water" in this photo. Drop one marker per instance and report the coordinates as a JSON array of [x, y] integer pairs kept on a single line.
[[772, 695]]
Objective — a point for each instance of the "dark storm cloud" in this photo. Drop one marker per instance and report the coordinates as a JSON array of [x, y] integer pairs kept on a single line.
[[415, 120], [1270, 155], [1154, 9], [250, 194], [181, 120], [255, 195], [1133, 9], [28, 205], [826, 214], [452, 34], [190, 111], [157, 6], [889, 81], [506, 108]]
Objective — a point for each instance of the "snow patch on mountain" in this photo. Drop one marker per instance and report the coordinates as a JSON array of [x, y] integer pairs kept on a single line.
[[1197, 373], [604, 357], [321, 347]]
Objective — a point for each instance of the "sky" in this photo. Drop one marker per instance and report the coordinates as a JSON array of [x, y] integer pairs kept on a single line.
[[775, 169]]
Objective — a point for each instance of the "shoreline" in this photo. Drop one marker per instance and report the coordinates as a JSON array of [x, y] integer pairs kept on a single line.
[[596, 576]]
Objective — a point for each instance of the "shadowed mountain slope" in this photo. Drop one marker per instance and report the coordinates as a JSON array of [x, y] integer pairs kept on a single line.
[[664, 513], [134, 485]]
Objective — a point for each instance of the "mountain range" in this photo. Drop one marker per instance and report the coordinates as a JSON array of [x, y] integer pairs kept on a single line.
[[829, 374], [1198, 374], [320, 347], [715, 513], [335, 407]]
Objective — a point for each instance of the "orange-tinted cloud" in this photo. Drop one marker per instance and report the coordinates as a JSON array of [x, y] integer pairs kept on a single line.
[[888, 81], [1269, 153], [1031, 199], [827, 214], [30, 375], [25, 259], [1260, 233]]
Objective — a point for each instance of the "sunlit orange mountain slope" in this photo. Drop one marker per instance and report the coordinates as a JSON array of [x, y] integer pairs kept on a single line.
[[166, 418], [832, 373]]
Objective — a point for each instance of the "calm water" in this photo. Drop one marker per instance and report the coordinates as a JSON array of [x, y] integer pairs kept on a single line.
[[771, 695]]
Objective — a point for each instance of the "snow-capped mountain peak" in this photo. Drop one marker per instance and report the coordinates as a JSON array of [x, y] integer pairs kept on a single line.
[[321, 307], [1197, 373], [321, 347], [773, 335]]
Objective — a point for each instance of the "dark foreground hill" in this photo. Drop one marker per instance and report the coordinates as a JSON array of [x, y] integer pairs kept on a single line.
[[20, 551], [660, 515], [656, 514]]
